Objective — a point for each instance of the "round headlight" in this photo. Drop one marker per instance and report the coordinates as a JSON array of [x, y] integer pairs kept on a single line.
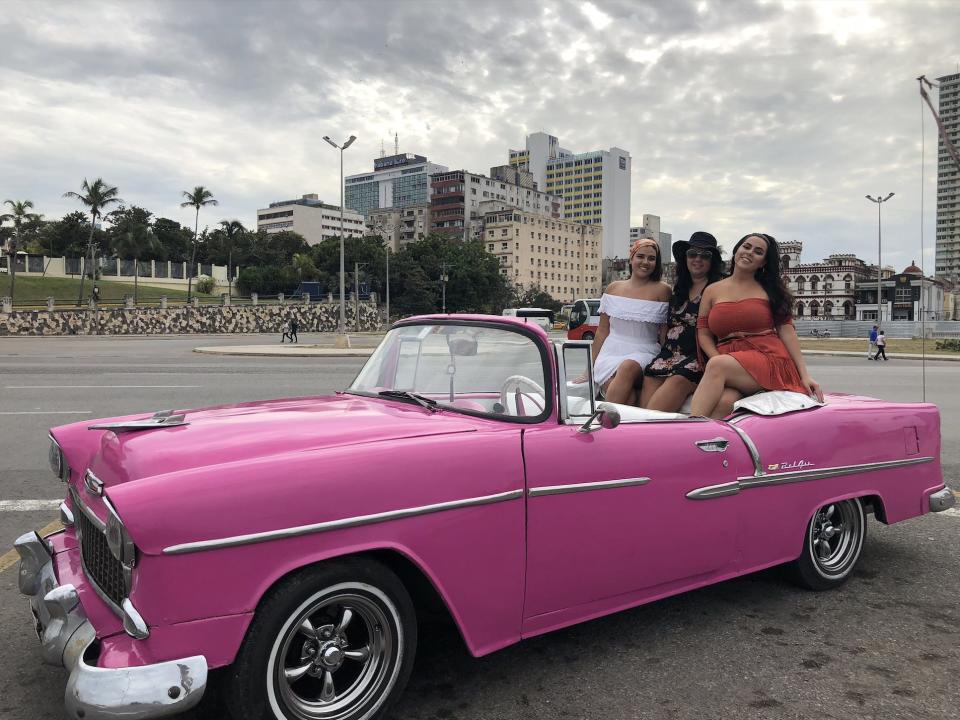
[[55, 457]]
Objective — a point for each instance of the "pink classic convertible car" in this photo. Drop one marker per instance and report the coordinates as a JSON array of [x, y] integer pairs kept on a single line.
[[293, 542]]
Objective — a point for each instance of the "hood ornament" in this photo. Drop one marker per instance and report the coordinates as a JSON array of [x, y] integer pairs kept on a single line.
[[160, 419]]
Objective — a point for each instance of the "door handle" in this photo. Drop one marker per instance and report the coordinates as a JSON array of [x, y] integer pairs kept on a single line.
[[715, 445]]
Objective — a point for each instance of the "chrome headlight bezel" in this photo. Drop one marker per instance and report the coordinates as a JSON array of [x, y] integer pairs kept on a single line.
[[58, 461], [118, 539]]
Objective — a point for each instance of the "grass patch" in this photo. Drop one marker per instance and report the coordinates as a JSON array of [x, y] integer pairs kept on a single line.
[[856, 345], [33, 291]]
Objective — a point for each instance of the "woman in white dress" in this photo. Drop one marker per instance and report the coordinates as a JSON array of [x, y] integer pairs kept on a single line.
[[633, 320]]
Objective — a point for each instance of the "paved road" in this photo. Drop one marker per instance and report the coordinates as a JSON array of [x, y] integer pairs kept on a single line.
[[884, 646]]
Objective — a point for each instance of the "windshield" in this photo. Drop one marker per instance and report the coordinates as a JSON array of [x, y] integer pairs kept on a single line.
[[468, 368]]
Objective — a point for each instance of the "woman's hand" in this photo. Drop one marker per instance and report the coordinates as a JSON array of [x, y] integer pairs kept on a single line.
[[813, 387]]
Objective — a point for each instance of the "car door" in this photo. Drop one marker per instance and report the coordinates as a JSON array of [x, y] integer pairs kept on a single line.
[[609, 517]]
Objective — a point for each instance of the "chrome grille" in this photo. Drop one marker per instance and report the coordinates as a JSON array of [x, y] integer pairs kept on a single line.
[[102, 567]]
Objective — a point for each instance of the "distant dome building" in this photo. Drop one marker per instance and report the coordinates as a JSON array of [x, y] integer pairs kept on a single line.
[[824, 290], [912, 269]]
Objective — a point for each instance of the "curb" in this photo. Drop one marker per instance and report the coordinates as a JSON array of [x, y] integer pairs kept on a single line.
[[268, 351], [892, 356]]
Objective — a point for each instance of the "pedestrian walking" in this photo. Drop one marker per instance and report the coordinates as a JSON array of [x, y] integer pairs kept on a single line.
[[872, 349], [294, 326], [286, 333], [881, 347]]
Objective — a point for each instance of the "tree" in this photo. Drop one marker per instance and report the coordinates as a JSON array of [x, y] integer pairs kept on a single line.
[[20, 215], [123, 220], [198, 198], [136, 243], [174, 240], [66, 236], [535, 296], [303, 264], [96, 197], [232, 230]]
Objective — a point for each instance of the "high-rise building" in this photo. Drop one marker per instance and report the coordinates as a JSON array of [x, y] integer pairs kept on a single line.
[[948, 183], [397, 181], [651, 230], [461, 198], [311, 217], [400, 226], [595, 185]]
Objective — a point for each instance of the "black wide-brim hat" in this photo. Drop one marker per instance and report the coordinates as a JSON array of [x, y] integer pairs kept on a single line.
[[700, 240]]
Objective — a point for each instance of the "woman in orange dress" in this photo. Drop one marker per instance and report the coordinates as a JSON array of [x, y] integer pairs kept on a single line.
[[745, 331]]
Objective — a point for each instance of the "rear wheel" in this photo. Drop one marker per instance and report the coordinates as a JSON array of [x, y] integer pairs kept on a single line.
[[832, 545], [334, 642], [587, 336]]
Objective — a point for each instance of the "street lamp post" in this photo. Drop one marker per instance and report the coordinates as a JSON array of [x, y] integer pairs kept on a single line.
[[879, 201], [342, 340]]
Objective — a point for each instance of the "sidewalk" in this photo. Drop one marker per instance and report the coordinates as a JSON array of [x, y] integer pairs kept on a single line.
[[953, 357]]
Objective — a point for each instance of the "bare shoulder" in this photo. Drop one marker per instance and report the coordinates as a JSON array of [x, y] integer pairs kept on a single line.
[[664, 292], [614, 288]]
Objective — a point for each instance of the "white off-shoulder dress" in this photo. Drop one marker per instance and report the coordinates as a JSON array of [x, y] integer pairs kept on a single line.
[[634, 333]]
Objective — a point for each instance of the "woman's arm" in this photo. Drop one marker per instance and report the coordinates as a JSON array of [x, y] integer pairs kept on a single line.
[[705, 340], [788, 334]]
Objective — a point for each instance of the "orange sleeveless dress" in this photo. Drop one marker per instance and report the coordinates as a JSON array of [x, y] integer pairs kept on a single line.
[[745, 330]]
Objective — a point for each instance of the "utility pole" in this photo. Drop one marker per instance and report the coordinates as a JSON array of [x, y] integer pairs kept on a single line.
[[356, 297], [444, 277], [879, 201], [342, 340]]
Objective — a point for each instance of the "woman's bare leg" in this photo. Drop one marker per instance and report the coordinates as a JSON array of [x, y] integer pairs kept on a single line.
[[620, 389], [672, 394], [727, 399], [649, 389], [722, 371]]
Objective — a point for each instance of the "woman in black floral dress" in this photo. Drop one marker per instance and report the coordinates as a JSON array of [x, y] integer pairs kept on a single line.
[[673, 375]]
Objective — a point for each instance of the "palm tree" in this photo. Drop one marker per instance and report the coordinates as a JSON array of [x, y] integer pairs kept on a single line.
[[134, 244], [233, 229], [199, 198], [96, 197], [20, 214]]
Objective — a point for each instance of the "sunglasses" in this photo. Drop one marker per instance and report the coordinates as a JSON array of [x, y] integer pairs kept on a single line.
[[702, 254]]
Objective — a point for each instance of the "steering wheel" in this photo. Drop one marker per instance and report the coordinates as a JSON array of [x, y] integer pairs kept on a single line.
[[517, 383]]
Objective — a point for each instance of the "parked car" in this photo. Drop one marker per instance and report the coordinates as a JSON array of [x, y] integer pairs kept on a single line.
[[292, 542]]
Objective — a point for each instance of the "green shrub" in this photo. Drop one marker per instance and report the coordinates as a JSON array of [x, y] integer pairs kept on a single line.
[[205, 284], [948, 345]]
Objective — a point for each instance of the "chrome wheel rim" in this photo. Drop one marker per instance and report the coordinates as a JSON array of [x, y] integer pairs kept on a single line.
[[835, 538], [336, 656]]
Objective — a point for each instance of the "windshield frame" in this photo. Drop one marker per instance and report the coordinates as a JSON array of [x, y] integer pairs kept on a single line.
[[548, 370]]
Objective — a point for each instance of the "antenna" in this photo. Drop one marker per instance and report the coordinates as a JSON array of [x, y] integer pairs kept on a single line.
[[382, 151], [396, 143]]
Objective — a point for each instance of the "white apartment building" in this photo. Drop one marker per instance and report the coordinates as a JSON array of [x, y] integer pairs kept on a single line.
[[595, 185], [310, 217], [460, 199], [948, 184], [651, 231], [397, 181], [561, 257], [400, 226]]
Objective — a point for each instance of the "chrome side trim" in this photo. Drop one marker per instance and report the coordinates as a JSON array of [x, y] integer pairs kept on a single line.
[[93, 484], [133, 622], [751, 481], [78, 502], [586, 487], [754, 453], [342, 524], [66, 515], [821, 473], [714, 491]]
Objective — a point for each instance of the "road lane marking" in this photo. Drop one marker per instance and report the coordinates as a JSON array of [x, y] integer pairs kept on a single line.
[[96, 387], [49, 412], [9, 559], [28, 505]]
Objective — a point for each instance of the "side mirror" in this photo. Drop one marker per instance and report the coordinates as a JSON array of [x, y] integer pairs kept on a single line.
[[608, 418]]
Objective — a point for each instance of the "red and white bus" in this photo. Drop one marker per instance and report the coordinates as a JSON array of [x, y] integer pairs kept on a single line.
[[584, 319]]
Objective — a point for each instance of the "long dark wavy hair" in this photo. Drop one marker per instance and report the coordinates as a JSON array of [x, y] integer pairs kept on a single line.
[[781, 300], [681, 288]]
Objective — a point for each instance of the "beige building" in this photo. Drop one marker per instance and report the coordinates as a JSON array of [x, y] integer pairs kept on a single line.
[[400, 226], [311, 217], [562, 257]]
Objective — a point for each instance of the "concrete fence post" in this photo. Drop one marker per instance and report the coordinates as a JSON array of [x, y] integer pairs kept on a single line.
[[306, 298], [6, 304], [195, 302], [225, 299], [280, 298], [254, 299], [329, 297], [50, 304], [92, 304], [163, 302]]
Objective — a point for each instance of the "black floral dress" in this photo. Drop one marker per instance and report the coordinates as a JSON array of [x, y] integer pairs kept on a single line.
[[679, 353]]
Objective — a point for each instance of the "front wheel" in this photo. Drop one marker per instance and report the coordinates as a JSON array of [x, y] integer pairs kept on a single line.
[[333, 642], [587, 336], [832, 545]]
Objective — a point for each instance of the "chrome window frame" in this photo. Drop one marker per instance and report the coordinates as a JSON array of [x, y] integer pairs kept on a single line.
[[563, 416]]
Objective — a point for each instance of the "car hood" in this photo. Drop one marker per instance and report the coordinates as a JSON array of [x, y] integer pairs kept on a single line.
[[238, 433]]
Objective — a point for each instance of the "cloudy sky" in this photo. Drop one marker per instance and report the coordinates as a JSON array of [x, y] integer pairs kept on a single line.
[[740, 116]]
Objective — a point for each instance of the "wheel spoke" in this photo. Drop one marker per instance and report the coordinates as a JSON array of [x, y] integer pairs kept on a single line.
[[328, 693], [307, 628], [294, 674], [823, 550], [345, 619], [830, 511], [360, 654]]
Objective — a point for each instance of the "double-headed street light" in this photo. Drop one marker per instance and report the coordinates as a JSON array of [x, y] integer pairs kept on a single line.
[[879, 201], [342, 339]]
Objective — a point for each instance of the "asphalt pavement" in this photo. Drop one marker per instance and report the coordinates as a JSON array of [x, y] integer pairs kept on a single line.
[[884, 646]]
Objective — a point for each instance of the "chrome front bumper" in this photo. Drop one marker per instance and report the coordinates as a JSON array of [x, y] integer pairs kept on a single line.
[[94, 693], [942, 500]]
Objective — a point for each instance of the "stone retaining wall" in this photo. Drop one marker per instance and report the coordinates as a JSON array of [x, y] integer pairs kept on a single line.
[[314, 317]]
